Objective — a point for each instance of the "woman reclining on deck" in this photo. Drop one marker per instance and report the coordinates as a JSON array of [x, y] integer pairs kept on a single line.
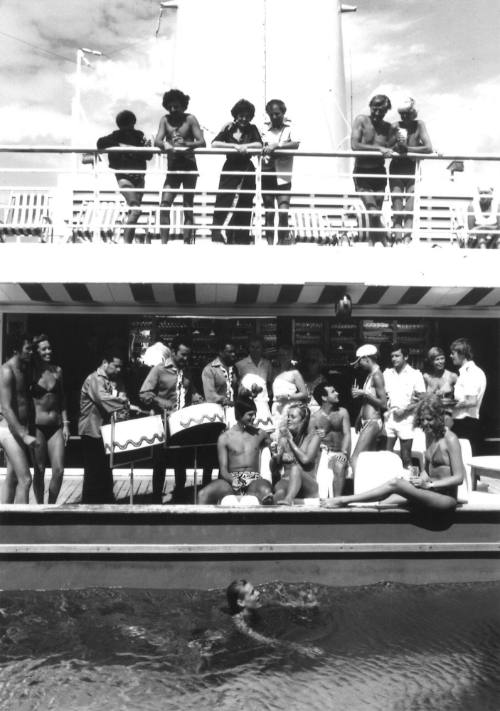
[[436, 489]]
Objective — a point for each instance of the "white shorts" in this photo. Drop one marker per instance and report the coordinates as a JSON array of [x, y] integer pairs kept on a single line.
[[404, 429]]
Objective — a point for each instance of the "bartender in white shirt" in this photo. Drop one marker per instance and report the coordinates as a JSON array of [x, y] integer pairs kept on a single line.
[[404, 386], [469, 393]]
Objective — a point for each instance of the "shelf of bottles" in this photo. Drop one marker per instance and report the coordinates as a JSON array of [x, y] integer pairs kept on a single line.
[[414, 335], [205, 335], [343, 339], [308, 333]]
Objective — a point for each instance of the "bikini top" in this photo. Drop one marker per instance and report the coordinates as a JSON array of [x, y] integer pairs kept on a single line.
[[38, 391]]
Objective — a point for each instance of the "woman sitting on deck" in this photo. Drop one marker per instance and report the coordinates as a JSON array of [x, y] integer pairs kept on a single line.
[[436, 489], [52, 424], [295, 455]]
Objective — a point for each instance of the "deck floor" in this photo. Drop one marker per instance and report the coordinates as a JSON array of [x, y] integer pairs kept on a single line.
[[71, 490]]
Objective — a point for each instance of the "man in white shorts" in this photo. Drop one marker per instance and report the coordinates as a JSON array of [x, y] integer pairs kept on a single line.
[[404, 386]]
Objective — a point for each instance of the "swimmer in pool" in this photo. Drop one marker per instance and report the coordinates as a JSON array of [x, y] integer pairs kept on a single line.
[[243, 600]]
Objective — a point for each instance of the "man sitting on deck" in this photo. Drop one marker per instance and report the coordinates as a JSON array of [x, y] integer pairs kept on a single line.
[[239, 451], [483, 220], [335, 422]]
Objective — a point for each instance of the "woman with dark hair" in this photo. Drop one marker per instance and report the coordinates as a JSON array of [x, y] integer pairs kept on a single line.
[[438, 380], [295, 455], [51, 420], [238, 175], [435, 488]]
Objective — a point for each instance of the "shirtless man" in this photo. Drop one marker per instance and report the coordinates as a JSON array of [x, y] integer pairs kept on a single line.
[[411, 137], [239, 450], [369, 422], [335, 422], [178, 130], [371, 133], [17, 421]]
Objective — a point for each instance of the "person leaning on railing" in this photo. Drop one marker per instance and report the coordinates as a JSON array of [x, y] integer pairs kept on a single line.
[[237, 176], [181, 131], [130, 167], [410, 137]]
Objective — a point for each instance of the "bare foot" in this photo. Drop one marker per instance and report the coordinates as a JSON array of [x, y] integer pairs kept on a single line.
[[285, 502], [336, 503]]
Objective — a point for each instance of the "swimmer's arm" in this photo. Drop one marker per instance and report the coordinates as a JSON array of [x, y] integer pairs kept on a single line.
[[306, 456], [288, 145], [222, 456], [199, 139], [7, 387], [106, 142], [64, 411]]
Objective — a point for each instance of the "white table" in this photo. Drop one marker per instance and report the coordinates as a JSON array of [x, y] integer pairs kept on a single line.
[[486, 464]]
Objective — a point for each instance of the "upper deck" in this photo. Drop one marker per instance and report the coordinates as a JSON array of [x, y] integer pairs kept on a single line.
[[62, 224]]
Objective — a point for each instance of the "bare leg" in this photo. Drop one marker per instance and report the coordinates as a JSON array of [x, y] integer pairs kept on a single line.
[[339, 475], [397, 213], [366, 441], [133, 198], [167, 200], [9, 484], [297, 481], [262, 489], [423, 497], [19, 461], [405, 445], [39, 463], [215, 492], [408, 219], [56, 457], [188, 202]]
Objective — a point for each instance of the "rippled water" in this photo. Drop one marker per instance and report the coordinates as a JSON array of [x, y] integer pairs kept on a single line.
[[388, 647]]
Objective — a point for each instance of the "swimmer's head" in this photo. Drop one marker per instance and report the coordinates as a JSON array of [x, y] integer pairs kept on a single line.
[[407, 110], [241, 595], [175, 101], [379, 104], [430, 415], [125, 119]]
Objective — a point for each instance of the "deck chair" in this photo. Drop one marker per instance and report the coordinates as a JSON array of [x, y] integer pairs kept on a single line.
[[311, 226], [27, 214], [106, 217], [375, 468], [466, 487]]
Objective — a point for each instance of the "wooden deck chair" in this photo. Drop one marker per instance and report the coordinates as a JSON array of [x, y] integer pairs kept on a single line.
[[106, 217], [27, 214], [311, 226]]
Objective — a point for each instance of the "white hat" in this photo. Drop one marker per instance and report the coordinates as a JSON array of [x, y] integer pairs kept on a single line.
[[406, 105], [367, 350]]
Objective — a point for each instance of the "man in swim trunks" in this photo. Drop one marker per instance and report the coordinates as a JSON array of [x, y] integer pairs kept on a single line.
[[371, 133], [334, 421], [17, 420], [132, 166], [411, 137], [369, 422], [239, 451], [180, 131]]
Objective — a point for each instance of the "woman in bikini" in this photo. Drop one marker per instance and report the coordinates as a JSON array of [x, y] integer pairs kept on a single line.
[[435, 488], [295, 456], [52, 424]]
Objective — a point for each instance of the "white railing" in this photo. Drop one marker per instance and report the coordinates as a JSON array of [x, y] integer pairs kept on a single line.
[[43, 197]]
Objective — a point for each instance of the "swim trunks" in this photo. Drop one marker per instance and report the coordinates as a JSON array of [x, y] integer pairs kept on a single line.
[[242, 479], [365, 175], [137, 179]]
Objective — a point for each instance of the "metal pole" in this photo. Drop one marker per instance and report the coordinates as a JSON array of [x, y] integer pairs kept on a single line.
[[131, 482], [195, 474]]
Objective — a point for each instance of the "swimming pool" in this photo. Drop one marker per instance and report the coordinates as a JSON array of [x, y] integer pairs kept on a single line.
[[385, 646]]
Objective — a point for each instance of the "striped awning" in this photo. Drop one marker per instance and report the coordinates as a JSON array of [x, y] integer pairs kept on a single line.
[[214, 279]]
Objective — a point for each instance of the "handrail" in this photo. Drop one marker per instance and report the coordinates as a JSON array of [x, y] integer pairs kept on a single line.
[[251, 152]]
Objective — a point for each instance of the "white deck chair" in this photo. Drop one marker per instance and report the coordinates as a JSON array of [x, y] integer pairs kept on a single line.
[[310, 226], [465, 488], [375, 468], [265, 461]]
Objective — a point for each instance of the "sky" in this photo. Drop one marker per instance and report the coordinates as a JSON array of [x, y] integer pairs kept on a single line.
[[444, 53]]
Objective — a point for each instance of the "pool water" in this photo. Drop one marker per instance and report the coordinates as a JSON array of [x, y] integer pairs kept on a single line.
[[388, 647]]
